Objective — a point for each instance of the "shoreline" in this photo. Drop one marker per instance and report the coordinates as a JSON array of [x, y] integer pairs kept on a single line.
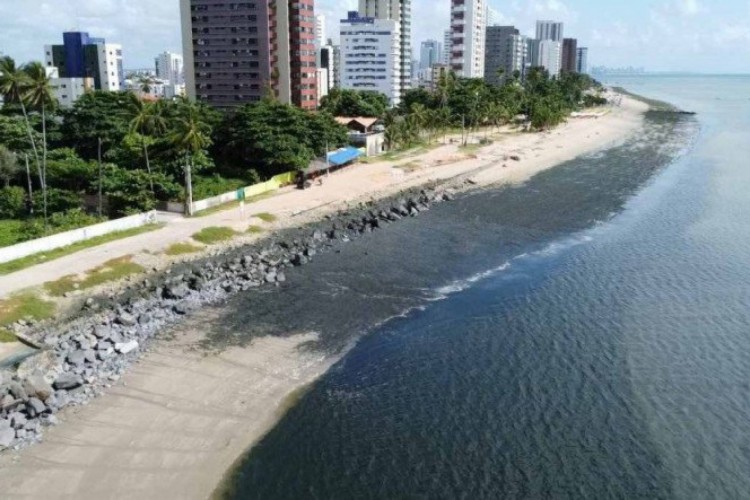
[[143, 458]]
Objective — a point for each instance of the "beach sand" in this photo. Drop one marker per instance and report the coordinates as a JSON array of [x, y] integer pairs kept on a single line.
[[179, 419]]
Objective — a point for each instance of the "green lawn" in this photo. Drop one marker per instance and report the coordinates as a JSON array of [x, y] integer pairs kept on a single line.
[[111, 271], [214, 234], [266, 217], [32, 260], [182, 249], [11, 232], [24, 306]]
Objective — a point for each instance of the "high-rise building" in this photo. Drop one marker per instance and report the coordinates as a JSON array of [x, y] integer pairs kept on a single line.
[[235, 53], [570, 55], [371, 55], [82, 56], [399, 11], [169, 67], [582, 65], [447, 43], [492, 17], [467, 42], [320, 30], [549, 30], [429, 54], [546, 54], [327, 61], [497, 54]]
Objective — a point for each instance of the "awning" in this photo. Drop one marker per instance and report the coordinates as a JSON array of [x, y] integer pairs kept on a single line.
[[343, 156]]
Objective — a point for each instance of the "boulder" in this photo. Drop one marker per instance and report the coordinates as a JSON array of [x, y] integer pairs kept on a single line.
[[176, 292], [17, 391], [67, 381], [6, 438], [126, 319], [126, 347], [35, 407], [37, 386], [76, 358], [46, 364]]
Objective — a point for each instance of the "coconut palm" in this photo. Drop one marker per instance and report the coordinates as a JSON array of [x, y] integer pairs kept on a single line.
[[191, 136], [38, 95], [145, 84], [13, 84], [146, 119], [418, 118]]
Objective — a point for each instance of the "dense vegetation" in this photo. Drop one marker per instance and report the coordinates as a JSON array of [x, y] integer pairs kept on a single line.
[[54, 163], [540, 102]]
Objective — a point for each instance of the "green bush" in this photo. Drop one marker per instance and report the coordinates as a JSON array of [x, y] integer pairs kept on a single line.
[[12, 202], [58, 200], [206, 187]]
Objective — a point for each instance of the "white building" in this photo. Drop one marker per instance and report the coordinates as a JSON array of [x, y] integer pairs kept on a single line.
[[447, 44], [322, 82], [320, 30], [547, 54], [371, 56], [549, 30], [327, 59], [468, 34], [399, 11], [169, 67], [583, 60], [66, 91], [429, 54], [110, 66]]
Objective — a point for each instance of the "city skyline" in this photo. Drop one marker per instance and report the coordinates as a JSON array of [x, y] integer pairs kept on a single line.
[[670, 35]]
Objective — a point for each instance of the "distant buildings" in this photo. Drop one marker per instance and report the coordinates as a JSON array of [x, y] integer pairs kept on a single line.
[[547, 54], [169, 67], [235, 53], [320, 30], [371, 55], [468, 37], [82, 56], [570, 55], [67, 90], [400, 12], [328, 60], [582, 65], [429, 54], [506, 53]]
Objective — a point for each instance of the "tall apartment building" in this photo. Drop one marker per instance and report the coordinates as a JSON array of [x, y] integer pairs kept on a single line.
[[468, 37], [237, 52], [549, 30], [371, 55], [169, 66], [499, 54], [582, 65], [447, 44], [83, 56], [327, 60], [320, 30], [570, 55], [547, 54], [399, 11], [429, 54]]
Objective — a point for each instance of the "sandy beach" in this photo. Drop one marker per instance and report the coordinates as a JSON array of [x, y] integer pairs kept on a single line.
[[178, 420]]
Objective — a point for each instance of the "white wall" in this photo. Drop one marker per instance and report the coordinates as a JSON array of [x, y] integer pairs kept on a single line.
[[110, 65], [60, 240], [68, 90]]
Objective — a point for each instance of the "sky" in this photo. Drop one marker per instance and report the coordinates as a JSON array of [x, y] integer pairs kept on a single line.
[[709, 36]]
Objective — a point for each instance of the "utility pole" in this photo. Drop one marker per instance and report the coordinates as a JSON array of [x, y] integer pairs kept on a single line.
[[188, 187], [31, 192], [101, 209]]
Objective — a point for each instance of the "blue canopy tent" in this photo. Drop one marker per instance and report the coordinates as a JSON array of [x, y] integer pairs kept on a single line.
[[343, 156]]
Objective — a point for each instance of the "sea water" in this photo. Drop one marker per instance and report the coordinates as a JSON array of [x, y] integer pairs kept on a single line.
[[585, 335]]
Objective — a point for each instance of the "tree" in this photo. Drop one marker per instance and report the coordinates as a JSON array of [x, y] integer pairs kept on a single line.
[[9, 167], [13, 85], [145, 120], [38, 95], [96, 115], [347, 102]]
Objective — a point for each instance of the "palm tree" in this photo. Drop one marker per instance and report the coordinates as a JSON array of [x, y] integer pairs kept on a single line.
[[418, 117], [146, 119], [8, 165], [191, 136], [13, 85], [38, 95], [145, 83]]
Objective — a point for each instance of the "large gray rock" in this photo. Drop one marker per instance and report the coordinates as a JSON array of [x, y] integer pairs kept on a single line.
[[126, 347], [37, 386], [76, 358], [46, 364], [35, 407], [67, 381], [176, 291], [6, 438], [126, 319], [17, 391]]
